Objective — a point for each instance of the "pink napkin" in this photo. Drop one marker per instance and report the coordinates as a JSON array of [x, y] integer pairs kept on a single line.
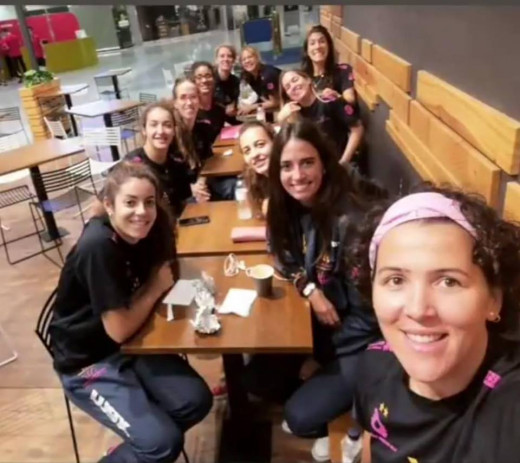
[[247, 234], [230, 133]]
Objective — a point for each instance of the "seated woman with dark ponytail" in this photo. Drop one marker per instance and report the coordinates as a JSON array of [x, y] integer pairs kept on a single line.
[[122, 265]]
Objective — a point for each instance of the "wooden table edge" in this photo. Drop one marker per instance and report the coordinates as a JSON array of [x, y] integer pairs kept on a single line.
[[136, 350]]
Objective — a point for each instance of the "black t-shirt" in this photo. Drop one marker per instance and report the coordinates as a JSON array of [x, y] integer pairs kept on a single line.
[[203, 138], [227, 91], [214, 118], [101, 273], [267, 82], [479, 425], [334, 117], [340, 80], [173, 175]]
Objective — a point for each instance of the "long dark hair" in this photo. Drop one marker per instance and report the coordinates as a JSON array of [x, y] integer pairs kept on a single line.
[[496, 251], [161, 238], [340, 188], [330, 61], [257, 185]]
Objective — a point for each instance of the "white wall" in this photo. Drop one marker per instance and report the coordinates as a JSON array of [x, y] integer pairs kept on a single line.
[[7, 12]]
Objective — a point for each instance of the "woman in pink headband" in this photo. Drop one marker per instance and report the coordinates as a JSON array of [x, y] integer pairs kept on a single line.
[[442, 271]]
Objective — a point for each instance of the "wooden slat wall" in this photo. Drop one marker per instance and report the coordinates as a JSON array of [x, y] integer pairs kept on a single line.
[[396, 69], [366, 50], [393, 96], [512, 202], [451, 137], [351, 39], [492, 132]]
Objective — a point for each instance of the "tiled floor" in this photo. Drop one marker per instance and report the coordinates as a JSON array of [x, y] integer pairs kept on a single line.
[[33, 424]]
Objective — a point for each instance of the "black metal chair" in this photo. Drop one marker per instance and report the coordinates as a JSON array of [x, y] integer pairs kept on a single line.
[[147, 97], [68, 178], [42, 331], [18, 195], [12, 114], [129, 122]]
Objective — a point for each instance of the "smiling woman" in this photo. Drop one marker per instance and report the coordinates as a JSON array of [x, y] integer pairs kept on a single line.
[[256, 141], [442, 271], [122, 264], [158, 129], [312, 206]]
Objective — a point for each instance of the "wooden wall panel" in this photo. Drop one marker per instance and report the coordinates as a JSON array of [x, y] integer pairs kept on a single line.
[[512, 202], [490, 131], [417, 153], [346, 55], [351, 39], [336, 26], [396, 69], [366, 50], [458, 160], [392, 95]]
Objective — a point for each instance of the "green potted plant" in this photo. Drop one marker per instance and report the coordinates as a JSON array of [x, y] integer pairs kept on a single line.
[[32, 78]]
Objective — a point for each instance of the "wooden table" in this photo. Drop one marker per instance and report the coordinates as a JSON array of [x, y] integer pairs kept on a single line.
[[214, 238], [114, 74], [104, 108], [31, 157], [67, 91], [220, 165], [279, 324]]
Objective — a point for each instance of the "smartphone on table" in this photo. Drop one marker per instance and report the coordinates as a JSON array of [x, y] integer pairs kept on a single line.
[[194, 221]]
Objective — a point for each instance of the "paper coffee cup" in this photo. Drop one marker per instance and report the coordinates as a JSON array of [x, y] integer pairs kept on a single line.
[[263, 276]]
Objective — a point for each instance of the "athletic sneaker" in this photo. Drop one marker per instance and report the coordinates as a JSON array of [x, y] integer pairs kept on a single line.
[[285, 427], [320, 449]]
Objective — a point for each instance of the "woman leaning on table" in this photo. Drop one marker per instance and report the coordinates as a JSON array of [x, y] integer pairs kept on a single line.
[[112, 279], [312, 207], [227, 85], [263, 79], [339, 120], [256, 142], [160, 130], [442, 270]]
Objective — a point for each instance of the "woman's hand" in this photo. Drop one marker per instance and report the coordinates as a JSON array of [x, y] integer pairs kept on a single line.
[[329, 94], [323, 309], [245, 109], [288, 110], [200, 191], [231, 110]]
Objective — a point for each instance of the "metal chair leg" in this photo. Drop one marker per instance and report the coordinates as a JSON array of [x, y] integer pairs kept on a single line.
[[72, 432], [14, 354]]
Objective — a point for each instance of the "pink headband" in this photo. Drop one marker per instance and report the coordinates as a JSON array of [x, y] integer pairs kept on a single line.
[[415, 207]]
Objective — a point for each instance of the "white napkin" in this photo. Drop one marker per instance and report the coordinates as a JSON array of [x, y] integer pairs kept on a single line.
[[238, 301], [182, 293]]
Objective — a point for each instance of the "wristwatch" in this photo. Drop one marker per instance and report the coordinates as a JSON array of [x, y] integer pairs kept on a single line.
[[309, 288]]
